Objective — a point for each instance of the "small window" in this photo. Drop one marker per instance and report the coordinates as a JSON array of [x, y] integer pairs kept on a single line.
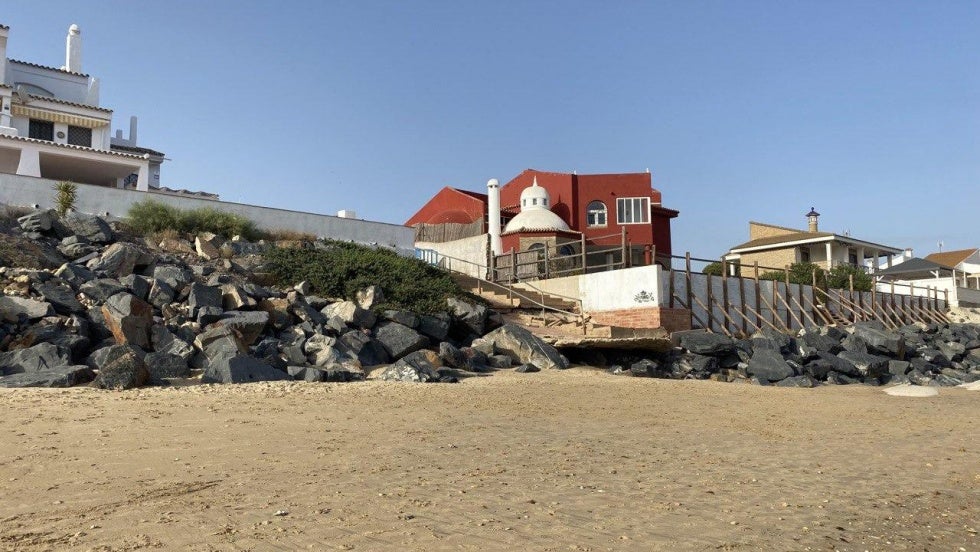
[[41, 130], [80, 136], [534, 201], [596, 214], [852, 256], [633, 210], [804, 254]]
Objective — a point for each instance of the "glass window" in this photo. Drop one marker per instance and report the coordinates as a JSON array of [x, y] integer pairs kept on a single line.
[[804, 254], [633, 210], [42, 130], [80, 136], [596, 214]]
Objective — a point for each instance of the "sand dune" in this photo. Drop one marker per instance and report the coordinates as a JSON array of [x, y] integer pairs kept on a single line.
[[574, 460]]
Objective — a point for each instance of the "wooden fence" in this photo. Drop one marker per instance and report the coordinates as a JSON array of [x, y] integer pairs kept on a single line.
[[564, 259], [739, 306]]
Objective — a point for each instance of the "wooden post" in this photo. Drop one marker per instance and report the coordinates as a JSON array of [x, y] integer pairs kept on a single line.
[[584, 267], [850, 293], [670, 286], [546, 267], [946, 298], [724, 294], [742, 305], [789, 324], [623, 245], [799, 294], [711, 306], [513, 266], [758, 298], [690, 292]]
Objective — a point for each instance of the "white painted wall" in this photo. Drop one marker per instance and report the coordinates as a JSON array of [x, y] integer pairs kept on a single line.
[[27, 191], [467, 255], [64, 86], [628, 288]]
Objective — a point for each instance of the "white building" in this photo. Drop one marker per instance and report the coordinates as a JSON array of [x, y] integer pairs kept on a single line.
[[52, 126]]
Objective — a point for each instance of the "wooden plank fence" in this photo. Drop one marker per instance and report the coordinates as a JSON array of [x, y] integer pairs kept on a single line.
[[739, 306]]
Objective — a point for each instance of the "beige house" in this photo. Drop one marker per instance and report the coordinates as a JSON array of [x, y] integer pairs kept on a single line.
[[776, 247]]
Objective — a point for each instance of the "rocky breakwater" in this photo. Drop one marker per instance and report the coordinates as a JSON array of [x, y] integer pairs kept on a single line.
[[113, 311], [920, 354]]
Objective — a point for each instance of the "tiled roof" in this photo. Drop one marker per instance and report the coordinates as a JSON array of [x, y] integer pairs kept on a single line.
[[48, 67], [136, 149], [951, 258], [475, 195], [785, 238], [66, 102], [69, 146], [5, 27]]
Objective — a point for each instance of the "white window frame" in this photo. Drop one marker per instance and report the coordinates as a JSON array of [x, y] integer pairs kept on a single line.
[[641, 204], [599, 213]]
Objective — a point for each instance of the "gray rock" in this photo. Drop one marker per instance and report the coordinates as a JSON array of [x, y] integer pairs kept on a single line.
[[436, 327], [854, 344], [414, 367], [404, 318], [100, 358], [201, 295], [161, 294], [934, 356], [881, 341], [694, 366], [61, 296], [234, 297], [166, 365], [137, 285], [208, 246], [217, 343], [101, 289], [351, 314], [707, 343], [165, 341], [499, 361], [241, 369], [250, 324], [74, 247], [127, 371], [645, 368], [129, 318], [821, 342], [175, 276], [769, 365], [797, 381], [899, 367], [43, 356], [452, 356], [359, 345], [867, 364], [782, 342], [120, 259], [74, 274], [471, 316], [208, 315], [527, 369], [71, 338], [90, 227], [952, 350], [13, 308], [524, 347], [38, 221], [399, 340], [61, 376]]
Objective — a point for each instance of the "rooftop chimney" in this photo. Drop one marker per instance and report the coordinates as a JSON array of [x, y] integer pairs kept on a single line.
[[73, 50], [493, 216], [811, 219]]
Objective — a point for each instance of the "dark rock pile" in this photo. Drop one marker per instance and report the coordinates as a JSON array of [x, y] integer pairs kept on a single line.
[[936, 355], [120, 313]]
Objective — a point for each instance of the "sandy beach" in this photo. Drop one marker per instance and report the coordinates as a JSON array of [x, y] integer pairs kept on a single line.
[[572, 460]]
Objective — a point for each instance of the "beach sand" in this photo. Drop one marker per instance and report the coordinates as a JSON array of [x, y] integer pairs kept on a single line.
[[572, 460]]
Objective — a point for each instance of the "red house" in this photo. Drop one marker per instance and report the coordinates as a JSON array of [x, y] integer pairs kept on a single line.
[[608, 213]]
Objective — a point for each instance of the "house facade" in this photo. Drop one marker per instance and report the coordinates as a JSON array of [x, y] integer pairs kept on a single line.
[[52, 126], [617, 218], [773, 247]]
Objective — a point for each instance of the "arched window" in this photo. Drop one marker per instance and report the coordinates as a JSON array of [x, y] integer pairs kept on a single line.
[[596, 213]]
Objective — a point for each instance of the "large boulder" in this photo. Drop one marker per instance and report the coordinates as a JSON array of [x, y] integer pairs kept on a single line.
[[175, 276], [470, 316], [436, 327], [161, 294], [128, 371], [60, 295], [399, 340], [40, 357], [166, 365], [74, 274], [13, 307], [706, 343], [351, 314], [165, 341], [61, 376], [525, 348], [38, 221], [881, 341], [219, 342], [360, 346], [769, 365], [101, 289], [120, 259], [90, 227], [867, 364], [416, 367], [129, 318], [241, 369], [201, 295], [249, 324], [208, 246], [100, 358]]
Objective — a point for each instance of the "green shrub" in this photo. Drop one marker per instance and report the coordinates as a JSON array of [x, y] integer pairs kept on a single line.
[[714, 269], [340, 269], [66, 193], [839, 278], [147, 217]]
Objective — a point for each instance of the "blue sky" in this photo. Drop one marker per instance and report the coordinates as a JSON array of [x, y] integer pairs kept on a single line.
[[868, 111]]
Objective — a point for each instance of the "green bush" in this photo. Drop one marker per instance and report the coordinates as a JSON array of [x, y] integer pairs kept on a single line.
[[714, 269], [839, 278], [340, 269], [147, 217]]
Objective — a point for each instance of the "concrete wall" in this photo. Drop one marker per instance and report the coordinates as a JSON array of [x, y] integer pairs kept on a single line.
[[606, 291], [467, 255], [115, 203], [64, 86]]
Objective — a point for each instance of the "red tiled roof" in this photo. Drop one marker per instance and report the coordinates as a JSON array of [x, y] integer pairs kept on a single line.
[[951, 258]]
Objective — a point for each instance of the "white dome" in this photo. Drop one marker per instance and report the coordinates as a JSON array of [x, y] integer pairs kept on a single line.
[[535, 213]]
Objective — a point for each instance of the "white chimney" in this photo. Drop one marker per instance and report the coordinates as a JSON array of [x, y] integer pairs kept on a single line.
[[73, 50], [3, 53], [493, 216], [346, 213]]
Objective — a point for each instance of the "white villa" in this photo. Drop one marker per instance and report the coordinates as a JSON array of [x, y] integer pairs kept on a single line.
[[52, 126]]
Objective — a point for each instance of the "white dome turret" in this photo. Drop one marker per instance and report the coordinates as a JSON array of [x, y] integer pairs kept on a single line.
[[536, 215]]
